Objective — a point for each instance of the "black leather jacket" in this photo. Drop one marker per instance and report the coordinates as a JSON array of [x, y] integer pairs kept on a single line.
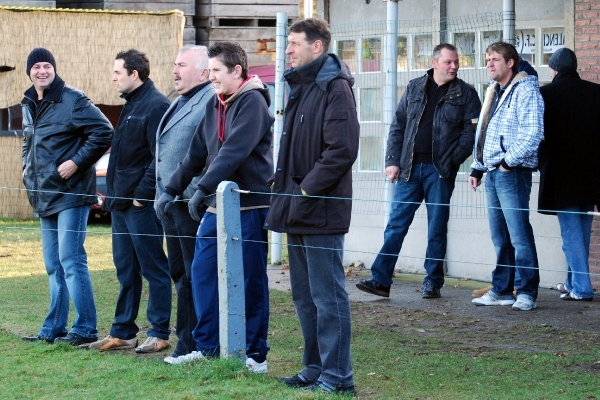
[[453, 132], [65, 125]]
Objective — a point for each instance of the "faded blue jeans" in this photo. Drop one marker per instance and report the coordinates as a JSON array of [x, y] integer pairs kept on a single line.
[[319, 293], [424, 184], [508, 211], [575, 229], [63, 235]]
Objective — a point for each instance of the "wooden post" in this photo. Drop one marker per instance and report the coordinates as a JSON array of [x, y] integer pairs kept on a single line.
[[232, 311]]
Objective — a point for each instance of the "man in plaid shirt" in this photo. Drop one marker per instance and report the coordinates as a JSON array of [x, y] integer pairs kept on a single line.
[[510, 129]]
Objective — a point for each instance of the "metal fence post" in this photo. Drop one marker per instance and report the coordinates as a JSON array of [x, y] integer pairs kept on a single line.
[[232, 311]]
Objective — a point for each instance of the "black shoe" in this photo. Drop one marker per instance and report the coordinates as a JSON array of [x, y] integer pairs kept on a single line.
[[36, 339], [74, 339], [344, 391], [296, 381], [428, 291], [373, 287]]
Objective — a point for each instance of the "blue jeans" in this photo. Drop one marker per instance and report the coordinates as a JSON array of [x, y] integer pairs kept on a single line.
[[180, 233], [63, 235], [137, 239], [256, 284], [424, 184], [508, 211], [575, 230], [321, 301]]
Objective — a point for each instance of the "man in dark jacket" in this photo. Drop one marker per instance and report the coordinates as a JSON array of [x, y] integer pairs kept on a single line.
[[569, 166], [137, 234], [173, 138], [64, 135], [233, 143], [311, 202], [430, 137]]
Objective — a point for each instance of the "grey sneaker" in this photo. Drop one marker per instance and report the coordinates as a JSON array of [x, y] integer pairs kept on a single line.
[[524, 303], [562, 288], [152, 345], [186, 358], [493, 299]]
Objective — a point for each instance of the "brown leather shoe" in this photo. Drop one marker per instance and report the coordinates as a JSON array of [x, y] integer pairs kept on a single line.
[[152, 345], [113, 343], [480, 292]]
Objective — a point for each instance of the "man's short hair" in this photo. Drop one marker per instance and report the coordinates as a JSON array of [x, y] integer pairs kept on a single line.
[[201, 54], [230, 54], [507, 51], [314, 29], [437, 50], [135, 60]]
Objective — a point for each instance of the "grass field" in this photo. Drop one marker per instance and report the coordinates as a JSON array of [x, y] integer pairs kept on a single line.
[[388, 363]]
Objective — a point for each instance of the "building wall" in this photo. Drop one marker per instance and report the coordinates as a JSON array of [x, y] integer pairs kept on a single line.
[[587, 49]]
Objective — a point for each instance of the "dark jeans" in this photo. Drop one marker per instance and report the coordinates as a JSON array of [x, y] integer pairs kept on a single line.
[[321, 301], [137, 239], [508, 212], [180, 233], [424, 184], [256, 285]]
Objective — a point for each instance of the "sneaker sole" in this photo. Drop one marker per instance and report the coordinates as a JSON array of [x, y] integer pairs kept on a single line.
[[496, 303], [372, 291], [525, 309]]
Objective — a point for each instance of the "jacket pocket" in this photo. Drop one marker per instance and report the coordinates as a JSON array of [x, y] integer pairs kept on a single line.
[[306, 211]]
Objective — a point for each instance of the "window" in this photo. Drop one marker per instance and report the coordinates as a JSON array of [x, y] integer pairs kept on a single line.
[[402, 53], [552, 40], [525, 44], [371, 55], [370, 104], [487, 38], [422, 50], [346, 50], [465, 43], [370, 157]]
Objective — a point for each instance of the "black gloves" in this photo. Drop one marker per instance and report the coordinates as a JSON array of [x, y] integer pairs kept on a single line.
[[195, 203], [162, 205]]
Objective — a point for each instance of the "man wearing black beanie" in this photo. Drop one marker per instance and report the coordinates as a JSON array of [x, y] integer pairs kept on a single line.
[[569, 165], [71, 134]]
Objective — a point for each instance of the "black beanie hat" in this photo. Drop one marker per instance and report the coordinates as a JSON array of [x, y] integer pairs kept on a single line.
[[39, 54], [563, 60]]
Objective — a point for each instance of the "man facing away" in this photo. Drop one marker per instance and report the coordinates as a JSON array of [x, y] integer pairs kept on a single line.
[[64, 134], [569, 166], [137, 238], [430, 137], [319, 144], [173, 139], [509, 131], [233, 143]]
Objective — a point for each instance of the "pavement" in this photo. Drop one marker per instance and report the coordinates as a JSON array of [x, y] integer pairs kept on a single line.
[[456, 299]]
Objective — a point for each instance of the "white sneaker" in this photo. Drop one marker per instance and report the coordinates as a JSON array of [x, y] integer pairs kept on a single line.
[[186, 358], [524, 303], [562, 288], [257, 368], [493, 299]]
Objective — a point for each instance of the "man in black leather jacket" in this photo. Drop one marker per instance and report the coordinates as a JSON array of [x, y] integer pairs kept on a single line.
[[137, 233], [430, 137], [64, 135]]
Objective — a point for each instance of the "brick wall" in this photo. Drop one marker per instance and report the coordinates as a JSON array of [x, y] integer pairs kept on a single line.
[[587, 49]]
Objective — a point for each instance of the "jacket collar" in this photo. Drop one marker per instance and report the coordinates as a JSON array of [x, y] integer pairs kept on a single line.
[[139, 91], [52, 93], [566, 75], [453, 90]]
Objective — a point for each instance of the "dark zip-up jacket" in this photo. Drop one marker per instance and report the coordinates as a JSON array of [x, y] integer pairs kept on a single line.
[[318, 147], [131, 172], [64, 126], [453, 132], [244, 157]]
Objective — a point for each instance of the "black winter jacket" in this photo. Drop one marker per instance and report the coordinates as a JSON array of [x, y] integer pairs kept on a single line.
[[319, 145], [64, 126], [244, 157], [131, 172], [569, 161], [453, 132]]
